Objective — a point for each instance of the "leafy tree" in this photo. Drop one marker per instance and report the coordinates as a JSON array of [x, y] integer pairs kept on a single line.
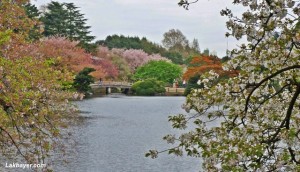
[[199, 66], [175, 40], [175, 57], [107, 66], [32, 108], [202, 64], [14, 19], [117, 60], [65, 20], [83, 80], [148, 87], [250, 122], [160, 70], [33, 102], [176, 43], [66, 55]]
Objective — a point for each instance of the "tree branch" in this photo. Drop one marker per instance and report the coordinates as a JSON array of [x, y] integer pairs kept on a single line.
[[291, 106], [266, 79], [13, 141]]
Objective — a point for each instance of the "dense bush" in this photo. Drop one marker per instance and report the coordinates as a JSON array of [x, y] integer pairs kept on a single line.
[[192, 84], [148, 87], [83, 80], [160, 70]]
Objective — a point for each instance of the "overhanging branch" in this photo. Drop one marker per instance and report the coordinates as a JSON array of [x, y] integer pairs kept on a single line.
[[266, 79]]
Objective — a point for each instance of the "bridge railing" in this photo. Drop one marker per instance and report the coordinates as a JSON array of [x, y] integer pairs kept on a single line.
[[112, 83], [174, 90]]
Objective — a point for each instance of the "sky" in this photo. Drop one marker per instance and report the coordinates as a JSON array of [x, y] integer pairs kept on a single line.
[[152, 18]]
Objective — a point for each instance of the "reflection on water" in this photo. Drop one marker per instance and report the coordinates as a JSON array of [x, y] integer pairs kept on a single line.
[[115, 133]]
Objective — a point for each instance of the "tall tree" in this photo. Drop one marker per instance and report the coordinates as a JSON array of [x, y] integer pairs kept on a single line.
[[64, 19], [55, 20], [250, 122], [195, 46], [175, 40], [33, 103]]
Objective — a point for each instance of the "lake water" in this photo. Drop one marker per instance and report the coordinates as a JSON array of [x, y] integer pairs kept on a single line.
[[117, 132]]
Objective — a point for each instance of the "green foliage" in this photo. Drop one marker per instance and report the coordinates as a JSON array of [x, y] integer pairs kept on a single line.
[[148, 87], [160, 70], [175, 57], [192, 84], [116, 41], [225, 59], [188, 60], [33, 108], [64, 19], [83, 80], [31, 10], [5, 37], [206, 52]]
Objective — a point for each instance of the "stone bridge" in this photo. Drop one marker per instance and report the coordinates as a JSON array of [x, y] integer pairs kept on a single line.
[[126, 86], [112, 84]]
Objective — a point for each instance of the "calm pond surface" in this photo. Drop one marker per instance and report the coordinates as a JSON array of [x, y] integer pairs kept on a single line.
[[117, 132]]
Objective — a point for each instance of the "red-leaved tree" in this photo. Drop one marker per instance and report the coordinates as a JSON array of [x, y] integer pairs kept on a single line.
[[202, 64]]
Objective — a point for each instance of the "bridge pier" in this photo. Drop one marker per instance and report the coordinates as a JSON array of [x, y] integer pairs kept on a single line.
[[125, 90], [108, 90]]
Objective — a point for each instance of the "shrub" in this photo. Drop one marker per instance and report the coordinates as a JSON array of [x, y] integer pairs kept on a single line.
[[160, 70], [148, 87], [83, 80]]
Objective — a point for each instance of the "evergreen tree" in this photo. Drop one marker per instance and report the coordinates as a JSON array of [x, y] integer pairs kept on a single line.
[[83, 80], [31, 10], [33, 13], [65, 19], [55, 19]]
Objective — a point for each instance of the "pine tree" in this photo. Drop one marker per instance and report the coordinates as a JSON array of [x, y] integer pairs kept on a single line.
[[33, 13], [65, 19]]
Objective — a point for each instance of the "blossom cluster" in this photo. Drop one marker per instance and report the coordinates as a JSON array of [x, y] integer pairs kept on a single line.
[[250, 122]]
